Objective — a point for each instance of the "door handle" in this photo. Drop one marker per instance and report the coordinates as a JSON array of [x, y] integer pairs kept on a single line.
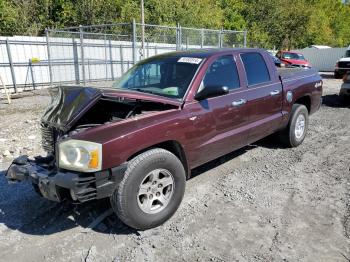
[[274, 92], [239, 102]]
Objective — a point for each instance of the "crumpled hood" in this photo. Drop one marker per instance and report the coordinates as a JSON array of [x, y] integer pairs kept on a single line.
[[69, 103]]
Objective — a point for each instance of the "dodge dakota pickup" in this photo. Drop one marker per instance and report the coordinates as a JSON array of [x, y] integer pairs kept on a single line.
[[137, 141]]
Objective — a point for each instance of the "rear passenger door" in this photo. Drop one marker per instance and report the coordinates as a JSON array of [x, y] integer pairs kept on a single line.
[[264, 96]]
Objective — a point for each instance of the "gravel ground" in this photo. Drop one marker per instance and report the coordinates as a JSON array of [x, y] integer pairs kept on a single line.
[[261, 203]]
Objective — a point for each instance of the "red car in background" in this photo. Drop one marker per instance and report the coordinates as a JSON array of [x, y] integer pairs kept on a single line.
[[293, 59]]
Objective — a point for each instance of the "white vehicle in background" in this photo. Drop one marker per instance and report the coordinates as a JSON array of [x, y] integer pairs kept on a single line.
[[320, 46], [343, 65], [345, 87]]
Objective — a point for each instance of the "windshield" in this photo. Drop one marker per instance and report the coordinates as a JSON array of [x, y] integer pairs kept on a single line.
[[347, 54], [293, 56], [169, 77]]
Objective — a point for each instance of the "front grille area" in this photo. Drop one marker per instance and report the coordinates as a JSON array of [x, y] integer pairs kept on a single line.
[[48, 138], [344, 64]]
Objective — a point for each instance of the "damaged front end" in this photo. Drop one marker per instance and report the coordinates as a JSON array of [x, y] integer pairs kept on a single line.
[[58, 185], [74, 110]]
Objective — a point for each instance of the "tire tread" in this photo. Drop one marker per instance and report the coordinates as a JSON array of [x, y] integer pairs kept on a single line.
[[285, 135], [118, 201]]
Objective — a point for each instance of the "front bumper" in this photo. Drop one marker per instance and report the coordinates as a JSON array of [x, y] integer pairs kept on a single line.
[[341, 71], [60, 185]]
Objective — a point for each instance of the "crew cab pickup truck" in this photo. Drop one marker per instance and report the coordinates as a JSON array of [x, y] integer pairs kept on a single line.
[[137, 141]]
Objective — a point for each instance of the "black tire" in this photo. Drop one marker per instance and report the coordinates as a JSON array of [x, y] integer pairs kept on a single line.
[[288, 135], [124, 200], [337, 75], [344, 99]]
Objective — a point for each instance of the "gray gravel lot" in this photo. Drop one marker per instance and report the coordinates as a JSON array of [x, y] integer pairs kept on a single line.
[[261, 203]]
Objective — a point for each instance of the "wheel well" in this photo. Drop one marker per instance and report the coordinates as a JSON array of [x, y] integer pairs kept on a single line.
[[306, 101], [173, 147]]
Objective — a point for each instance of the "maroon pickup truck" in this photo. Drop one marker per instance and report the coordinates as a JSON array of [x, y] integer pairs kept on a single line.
[[137, 141]]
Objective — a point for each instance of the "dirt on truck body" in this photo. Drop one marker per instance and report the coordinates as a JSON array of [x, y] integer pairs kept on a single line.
[[136, 143]]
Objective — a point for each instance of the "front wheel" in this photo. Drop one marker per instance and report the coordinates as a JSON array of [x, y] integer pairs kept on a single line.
[[151, 190], [295, 132]]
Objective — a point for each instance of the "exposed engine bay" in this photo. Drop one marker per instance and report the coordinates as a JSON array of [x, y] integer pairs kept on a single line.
[[108, 110], [75, 109]]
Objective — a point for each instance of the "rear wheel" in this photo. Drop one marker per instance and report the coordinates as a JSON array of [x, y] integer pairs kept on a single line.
[[151, 190], [295, 132]]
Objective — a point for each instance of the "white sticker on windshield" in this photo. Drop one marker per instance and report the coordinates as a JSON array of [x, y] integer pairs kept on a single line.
[[191, 60]]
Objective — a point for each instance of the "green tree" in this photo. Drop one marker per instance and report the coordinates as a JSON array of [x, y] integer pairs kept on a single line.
[[280, 23], [9, 18]]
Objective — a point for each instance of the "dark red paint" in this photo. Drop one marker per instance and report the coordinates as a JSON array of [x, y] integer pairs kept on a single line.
[[213, 127]]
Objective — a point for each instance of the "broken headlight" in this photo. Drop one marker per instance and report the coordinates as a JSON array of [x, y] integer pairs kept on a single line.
[[80, 155]]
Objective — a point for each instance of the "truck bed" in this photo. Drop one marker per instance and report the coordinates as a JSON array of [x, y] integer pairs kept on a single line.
[[289, 73]]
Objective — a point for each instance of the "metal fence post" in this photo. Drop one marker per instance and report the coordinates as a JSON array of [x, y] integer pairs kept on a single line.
[[177, 37], [220, 38], [202, 38], [245, 38], [76, 62], [121, 59], [111, 58], [106, 59], [8, 48], [134, 42], [180, 37], [147, 45], [32, 73], [88, 65], [82, 52], [49, 55]]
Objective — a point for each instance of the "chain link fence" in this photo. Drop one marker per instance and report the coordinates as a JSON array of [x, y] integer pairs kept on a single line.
[[100, 54]]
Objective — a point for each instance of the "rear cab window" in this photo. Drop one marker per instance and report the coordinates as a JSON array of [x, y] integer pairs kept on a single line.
[[255, 68], [222, 72]]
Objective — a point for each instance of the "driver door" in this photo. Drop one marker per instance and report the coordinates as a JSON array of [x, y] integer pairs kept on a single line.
[[219, 121]]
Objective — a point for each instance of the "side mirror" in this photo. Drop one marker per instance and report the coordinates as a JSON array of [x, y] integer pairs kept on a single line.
[[211, 91]]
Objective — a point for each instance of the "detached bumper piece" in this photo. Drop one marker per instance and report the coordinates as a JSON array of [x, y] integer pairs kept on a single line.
[[65, 185]]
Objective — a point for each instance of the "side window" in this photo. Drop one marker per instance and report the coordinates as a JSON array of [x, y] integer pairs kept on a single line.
[[255, 68], [222, 72]]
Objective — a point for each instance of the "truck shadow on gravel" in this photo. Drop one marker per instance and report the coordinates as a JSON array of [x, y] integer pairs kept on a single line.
[[22, 209], [335, 101]]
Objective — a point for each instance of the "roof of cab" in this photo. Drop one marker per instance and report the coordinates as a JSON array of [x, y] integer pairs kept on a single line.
[[203, 53]]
